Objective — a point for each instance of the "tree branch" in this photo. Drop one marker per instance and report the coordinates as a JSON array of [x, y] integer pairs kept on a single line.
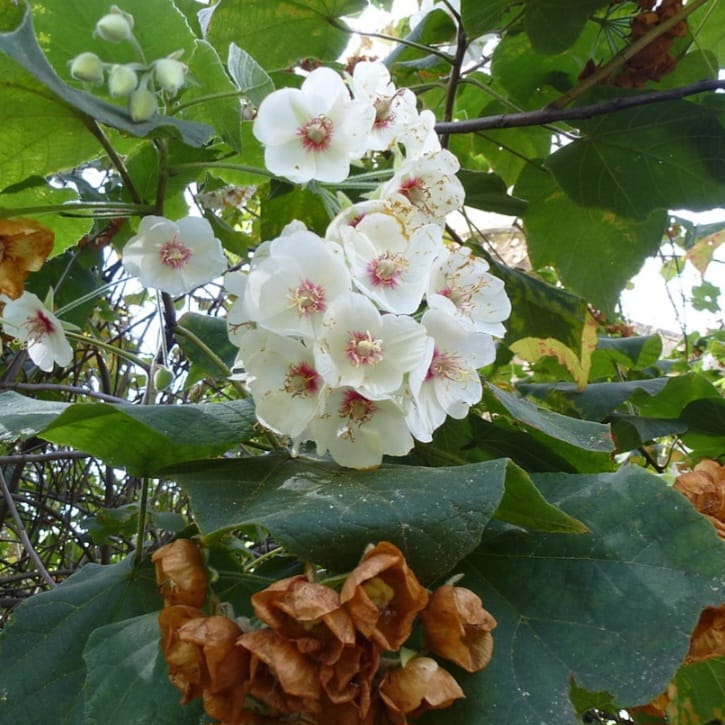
[[552, 115]]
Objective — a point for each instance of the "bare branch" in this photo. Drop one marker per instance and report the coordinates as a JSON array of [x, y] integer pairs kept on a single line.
[[552, 115]]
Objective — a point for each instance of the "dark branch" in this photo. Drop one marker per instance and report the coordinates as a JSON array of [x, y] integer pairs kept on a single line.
[[551, 115]]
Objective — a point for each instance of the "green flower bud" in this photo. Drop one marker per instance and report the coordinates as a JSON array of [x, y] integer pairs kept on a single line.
[[142, 104], [115, 26], [169, 74], [122, 81], [87, 67], [163, 377]]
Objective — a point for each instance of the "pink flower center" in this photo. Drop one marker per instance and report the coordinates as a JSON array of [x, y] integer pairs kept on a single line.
[[174, 254], [384, 114], [39, 325], [307, 298], [356, 408], [301, 381], [316, 134], [447, 366], [415, 191], [386, 270], [364, 349], [461, 295]]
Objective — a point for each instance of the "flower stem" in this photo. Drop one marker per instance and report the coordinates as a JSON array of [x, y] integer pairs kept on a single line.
[[141, 530], [125, 354]]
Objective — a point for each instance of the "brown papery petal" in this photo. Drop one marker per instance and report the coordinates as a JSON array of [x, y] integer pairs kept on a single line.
[[24, 247], [180, 573], [458, 628], [708, 639]]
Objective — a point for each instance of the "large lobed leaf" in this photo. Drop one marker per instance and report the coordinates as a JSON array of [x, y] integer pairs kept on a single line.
[[145, 438], [612, 609], [41, 650], [297, 30], [597, 251], [664, 156], [326, 514]]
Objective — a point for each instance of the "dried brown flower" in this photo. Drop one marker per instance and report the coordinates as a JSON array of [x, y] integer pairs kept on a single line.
[[308, 613], [419, 686], [24, 247], [185, 660], [705, 488], [458, 628], [708, 639], [383, 596], [280, 675], [180, 574]]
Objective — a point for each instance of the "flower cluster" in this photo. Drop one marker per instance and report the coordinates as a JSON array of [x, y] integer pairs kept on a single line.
[[371, 336], [329, 656], [139, 82]]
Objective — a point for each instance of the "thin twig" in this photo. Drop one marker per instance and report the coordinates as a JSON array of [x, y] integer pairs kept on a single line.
[[23, 534], [23, 458]]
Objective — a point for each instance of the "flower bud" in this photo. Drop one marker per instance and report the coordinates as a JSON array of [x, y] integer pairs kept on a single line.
[[87, 67], [122, 81], [142, 104], [115, 26], [169, 74], [163, 377]]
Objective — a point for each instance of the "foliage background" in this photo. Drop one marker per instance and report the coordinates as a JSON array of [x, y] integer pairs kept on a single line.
[[552, 497]]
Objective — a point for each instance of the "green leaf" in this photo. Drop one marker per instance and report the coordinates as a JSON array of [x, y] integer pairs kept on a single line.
[[631, 431], [279, 34], [37, 106], [705, 416], [590, 607], [614, 353], [707, 24], [223, 113], [542, 310], [286, 203], [597, 400], [41, 649], [581, 433], [212, 331], [481, 17], [145, 438], [532, 79], [127, 680], [326, 514], [678, 391], [554, 25], [250, 77], [618, 245], [68, 229], [668, 156], [488, 193], [22, 417], [698, 693]]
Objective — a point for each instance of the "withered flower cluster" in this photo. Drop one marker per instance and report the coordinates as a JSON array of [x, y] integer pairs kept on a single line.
[[656, 59], [321, 657]]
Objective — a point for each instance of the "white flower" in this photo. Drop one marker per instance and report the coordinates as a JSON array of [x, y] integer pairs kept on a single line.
[[361, 348], [174, 257], [313, 132], [239, 319], [281, 375], [387, 265], [28, 320], [358, 431], [447, 383], [426, 190], [419, 136], [461, 285], [290, 289], [395, 110]]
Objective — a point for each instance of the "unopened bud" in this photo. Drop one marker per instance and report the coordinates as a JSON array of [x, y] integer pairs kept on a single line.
[[169, 74], [87, 67], [163, 377], [142, 104], [122, 81], [115, 26]]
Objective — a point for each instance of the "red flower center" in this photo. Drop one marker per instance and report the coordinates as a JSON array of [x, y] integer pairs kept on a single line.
[[174, 254], [316, 134]]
